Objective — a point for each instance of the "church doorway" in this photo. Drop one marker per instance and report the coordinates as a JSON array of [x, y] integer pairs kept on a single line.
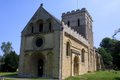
[[76, 65], [40, 67], [37, 64]]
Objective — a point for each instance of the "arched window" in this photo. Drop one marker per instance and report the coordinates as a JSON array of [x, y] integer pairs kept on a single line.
[[78, 22], [68, 23], [83, 55], [68, 49], [49, 21], [41, 27], [31, 28], [50, 26]]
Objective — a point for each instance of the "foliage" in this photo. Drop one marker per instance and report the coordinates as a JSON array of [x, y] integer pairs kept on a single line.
[[107, 58], [10, 62], [9, 59], [106, 43], [6, 47], [110, 52], [116, 56]]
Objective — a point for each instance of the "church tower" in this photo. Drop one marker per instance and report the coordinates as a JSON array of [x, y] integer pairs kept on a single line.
[[80, 21]]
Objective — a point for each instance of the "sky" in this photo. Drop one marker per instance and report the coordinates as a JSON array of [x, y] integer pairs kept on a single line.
[[14, 15]]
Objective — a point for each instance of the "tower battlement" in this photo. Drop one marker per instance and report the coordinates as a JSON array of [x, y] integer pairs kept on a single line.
[[81, 21], [75, 34], [83, 10]]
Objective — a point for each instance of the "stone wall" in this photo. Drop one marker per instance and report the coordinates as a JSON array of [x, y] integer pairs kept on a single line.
[[68, 61]]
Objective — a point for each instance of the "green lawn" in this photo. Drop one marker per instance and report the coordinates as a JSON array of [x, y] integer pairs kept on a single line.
[[9, 76], [101, 75]]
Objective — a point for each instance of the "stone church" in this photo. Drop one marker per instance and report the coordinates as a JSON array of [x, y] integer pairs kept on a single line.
[[56, 49]]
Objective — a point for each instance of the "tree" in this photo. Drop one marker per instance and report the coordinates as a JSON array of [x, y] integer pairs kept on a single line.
[[107, 58], [105, 43], [108, 44], [116, 55], [10, 62], [6, 48], [9, 59], [110, 51]]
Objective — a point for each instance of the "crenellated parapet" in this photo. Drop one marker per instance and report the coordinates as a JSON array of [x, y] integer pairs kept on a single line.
[[83, 10], [74, 33], [71, 12]]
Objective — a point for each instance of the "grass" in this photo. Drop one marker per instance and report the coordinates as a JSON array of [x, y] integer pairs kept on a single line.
[[12, 76], [101, 75], [8, 74]]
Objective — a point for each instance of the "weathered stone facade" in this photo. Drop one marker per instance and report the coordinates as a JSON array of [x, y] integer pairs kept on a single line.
[[58, 49]]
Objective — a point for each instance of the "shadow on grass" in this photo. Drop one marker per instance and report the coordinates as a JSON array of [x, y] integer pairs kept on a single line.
[[10, 75], [14, 76], [117, 78]]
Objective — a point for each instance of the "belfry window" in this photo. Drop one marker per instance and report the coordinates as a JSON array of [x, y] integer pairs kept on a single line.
[[41, 27], [68, 49], [50, 26], [83, 55], [68, 23], [78, 22]]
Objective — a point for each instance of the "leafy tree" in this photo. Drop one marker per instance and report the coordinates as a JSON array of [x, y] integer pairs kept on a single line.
[[9, 59], [6, 48], [116, 55], [108, 44], [105, 42], [107, 58], [10, 62], [110, 51]]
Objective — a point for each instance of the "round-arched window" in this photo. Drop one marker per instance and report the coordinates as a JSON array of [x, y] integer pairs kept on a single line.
[[68, 49], [83, 55]]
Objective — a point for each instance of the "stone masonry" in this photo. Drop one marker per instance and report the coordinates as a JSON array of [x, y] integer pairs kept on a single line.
[[56, 49]]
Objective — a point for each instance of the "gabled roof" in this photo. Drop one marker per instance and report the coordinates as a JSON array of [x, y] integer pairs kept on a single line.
[[56, 19], [42, 9]]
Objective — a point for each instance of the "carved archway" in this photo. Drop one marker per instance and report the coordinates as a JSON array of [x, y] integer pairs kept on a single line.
[[38, 64]]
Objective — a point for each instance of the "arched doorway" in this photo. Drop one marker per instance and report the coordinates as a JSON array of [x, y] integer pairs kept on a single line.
[[40, 67], [76, 65], [37, 64]]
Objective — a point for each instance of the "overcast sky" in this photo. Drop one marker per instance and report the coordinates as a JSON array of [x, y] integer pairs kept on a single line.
[[14, 15]]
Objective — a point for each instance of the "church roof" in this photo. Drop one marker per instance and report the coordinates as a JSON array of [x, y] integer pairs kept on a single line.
[[56, 19], [42, 9]]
